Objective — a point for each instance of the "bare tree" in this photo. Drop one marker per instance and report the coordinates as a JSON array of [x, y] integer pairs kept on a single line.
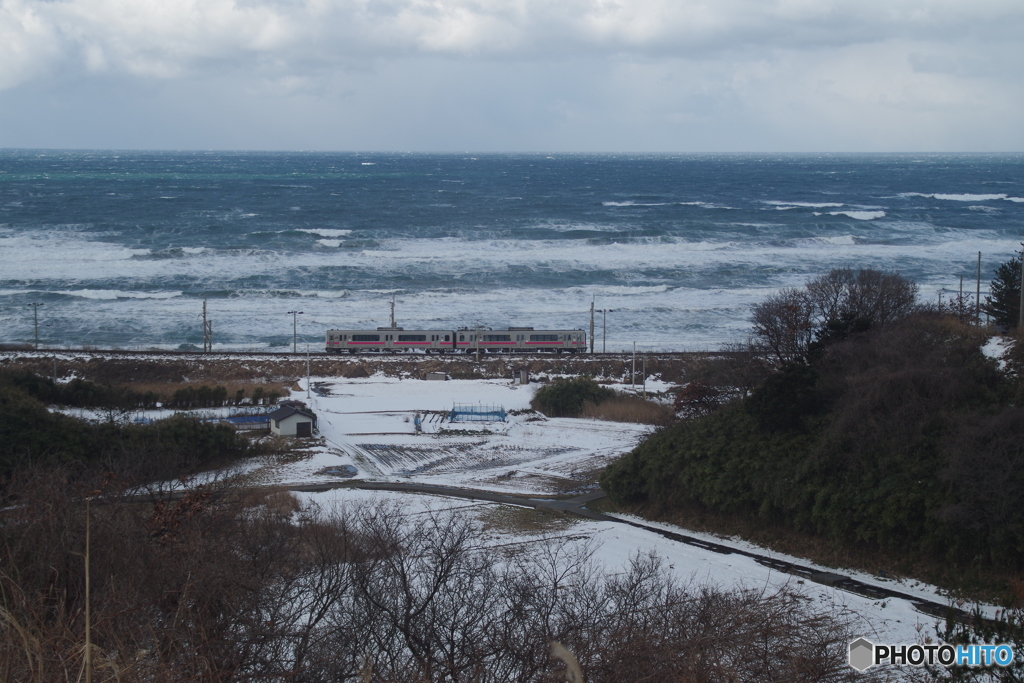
[[784, 324], [830, 307]]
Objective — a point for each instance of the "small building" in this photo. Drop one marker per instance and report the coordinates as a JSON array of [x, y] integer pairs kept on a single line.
[[521, 375], [292, 421], [437, 376]]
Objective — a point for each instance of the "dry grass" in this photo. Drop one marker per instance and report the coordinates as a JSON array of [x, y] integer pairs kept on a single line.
[[629, 409], [509, 519], [166, 389]]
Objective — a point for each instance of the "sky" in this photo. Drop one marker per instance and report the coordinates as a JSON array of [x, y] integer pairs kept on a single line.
[[514, 75]]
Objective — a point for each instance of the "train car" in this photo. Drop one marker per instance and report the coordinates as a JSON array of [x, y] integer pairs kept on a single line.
[[521, 340], [466, 340], [390, 340]]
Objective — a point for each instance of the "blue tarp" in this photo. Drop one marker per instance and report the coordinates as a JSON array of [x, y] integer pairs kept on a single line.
[[476, 413]]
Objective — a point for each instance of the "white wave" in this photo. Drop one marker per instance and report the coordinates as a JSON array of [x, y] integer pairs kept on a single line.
[[836, 240], [330, 243], [859, 215], [194, 250], [112, 294], [48, 249], [369, 163], [1016, 200], [960, 197], [808, 205], [326, 232], [630, 202], [633, 291]]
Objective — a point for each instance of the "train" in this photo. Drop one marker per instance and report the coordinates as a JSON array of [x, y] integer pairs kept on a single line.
[[462, 340]]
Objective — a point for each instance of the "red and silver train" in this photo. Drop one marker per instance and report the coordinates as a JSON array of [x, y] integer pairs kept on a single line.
[[511, 340]]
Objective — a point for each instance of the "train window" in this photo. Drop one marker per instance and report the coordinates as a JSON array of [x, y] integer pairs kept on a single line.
[[412, 337], [462, 337], [366, 337], [447, 337], [543, 337], [497, 337]]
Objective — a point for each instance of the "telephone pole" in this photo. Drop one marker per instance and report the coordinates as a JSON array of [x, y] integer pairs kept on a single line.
[[604, 329], [392, 311], [295, 334], [35, 319], [977, 296], [207, 331], [632, 374], [592, 325]]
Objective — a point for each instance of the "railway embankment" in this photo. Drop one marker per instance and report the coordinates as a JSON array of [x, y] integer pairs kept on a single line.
[[151, 368]]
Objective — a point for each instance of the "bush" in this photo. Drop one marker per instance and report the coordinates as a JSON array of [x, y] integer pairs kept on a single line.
[[31, 436], [565, 397]]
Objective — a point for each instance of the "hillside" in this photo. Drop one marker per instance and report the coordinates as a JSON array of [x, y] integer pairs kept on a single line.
[[904, 440]]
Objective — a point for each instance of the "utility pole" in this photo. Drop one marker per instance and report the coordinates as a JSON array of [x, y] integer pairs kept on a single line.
[[207, 331], [960, 302], [295, 337], [644, 373], [393, 311], [592, 324], [35, 318], [604, 330], [307, 369], [977, 296], [632, 375]]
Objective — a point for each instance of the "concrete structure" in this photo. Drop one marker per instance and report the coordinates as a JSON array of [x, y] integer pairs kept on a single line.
[[292, 421], [437, 376]]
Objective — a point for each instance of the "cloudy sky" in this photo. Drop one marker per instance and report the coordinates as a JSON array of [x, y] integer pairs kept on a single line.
[[514, 75]]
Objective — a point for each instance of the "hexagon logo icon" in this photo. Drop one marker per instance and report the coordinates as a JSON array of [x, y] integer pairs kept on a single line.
[[862, 654]]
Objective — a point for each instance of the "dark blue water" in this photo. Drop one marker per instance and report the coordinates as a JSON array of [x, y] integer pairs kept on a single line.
[[122, 247]]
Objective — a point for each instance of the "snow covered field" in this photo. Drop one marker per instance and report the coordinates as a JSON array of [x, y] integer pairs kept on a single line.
[[370, 424]]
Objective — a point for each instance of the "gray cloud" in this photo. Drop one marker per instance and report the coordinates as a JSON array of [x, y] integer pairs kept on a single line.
[[587, 74]]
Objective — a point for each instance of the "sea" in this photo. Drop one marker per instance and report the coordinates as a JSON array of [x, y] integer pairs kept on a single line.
[[121, 249]]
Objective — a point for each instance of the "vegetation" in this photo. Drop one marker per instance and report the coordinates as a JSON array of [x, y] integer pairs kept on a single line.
[[1003, 302], [901, 436], [221, 586], [583, 397], [795, 322], [82, 393], [565, 397], [625, 408], [32, 437]]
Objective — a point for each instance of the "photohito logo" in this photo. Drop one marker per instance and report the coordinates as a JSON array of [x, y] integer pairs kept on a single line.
[[864, 654]]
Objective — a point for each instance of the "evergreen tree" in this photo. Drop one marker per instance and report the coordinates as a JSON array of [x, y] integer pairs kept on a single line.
[[1003, 301]]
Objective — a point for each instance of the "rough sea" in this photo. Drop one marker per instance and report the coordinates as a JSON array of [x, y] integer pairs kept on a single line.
[[121, 248]]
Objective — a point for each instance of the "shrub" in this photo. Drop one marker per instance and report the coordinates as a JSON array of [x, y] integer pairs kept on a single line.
[[565, 397]]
